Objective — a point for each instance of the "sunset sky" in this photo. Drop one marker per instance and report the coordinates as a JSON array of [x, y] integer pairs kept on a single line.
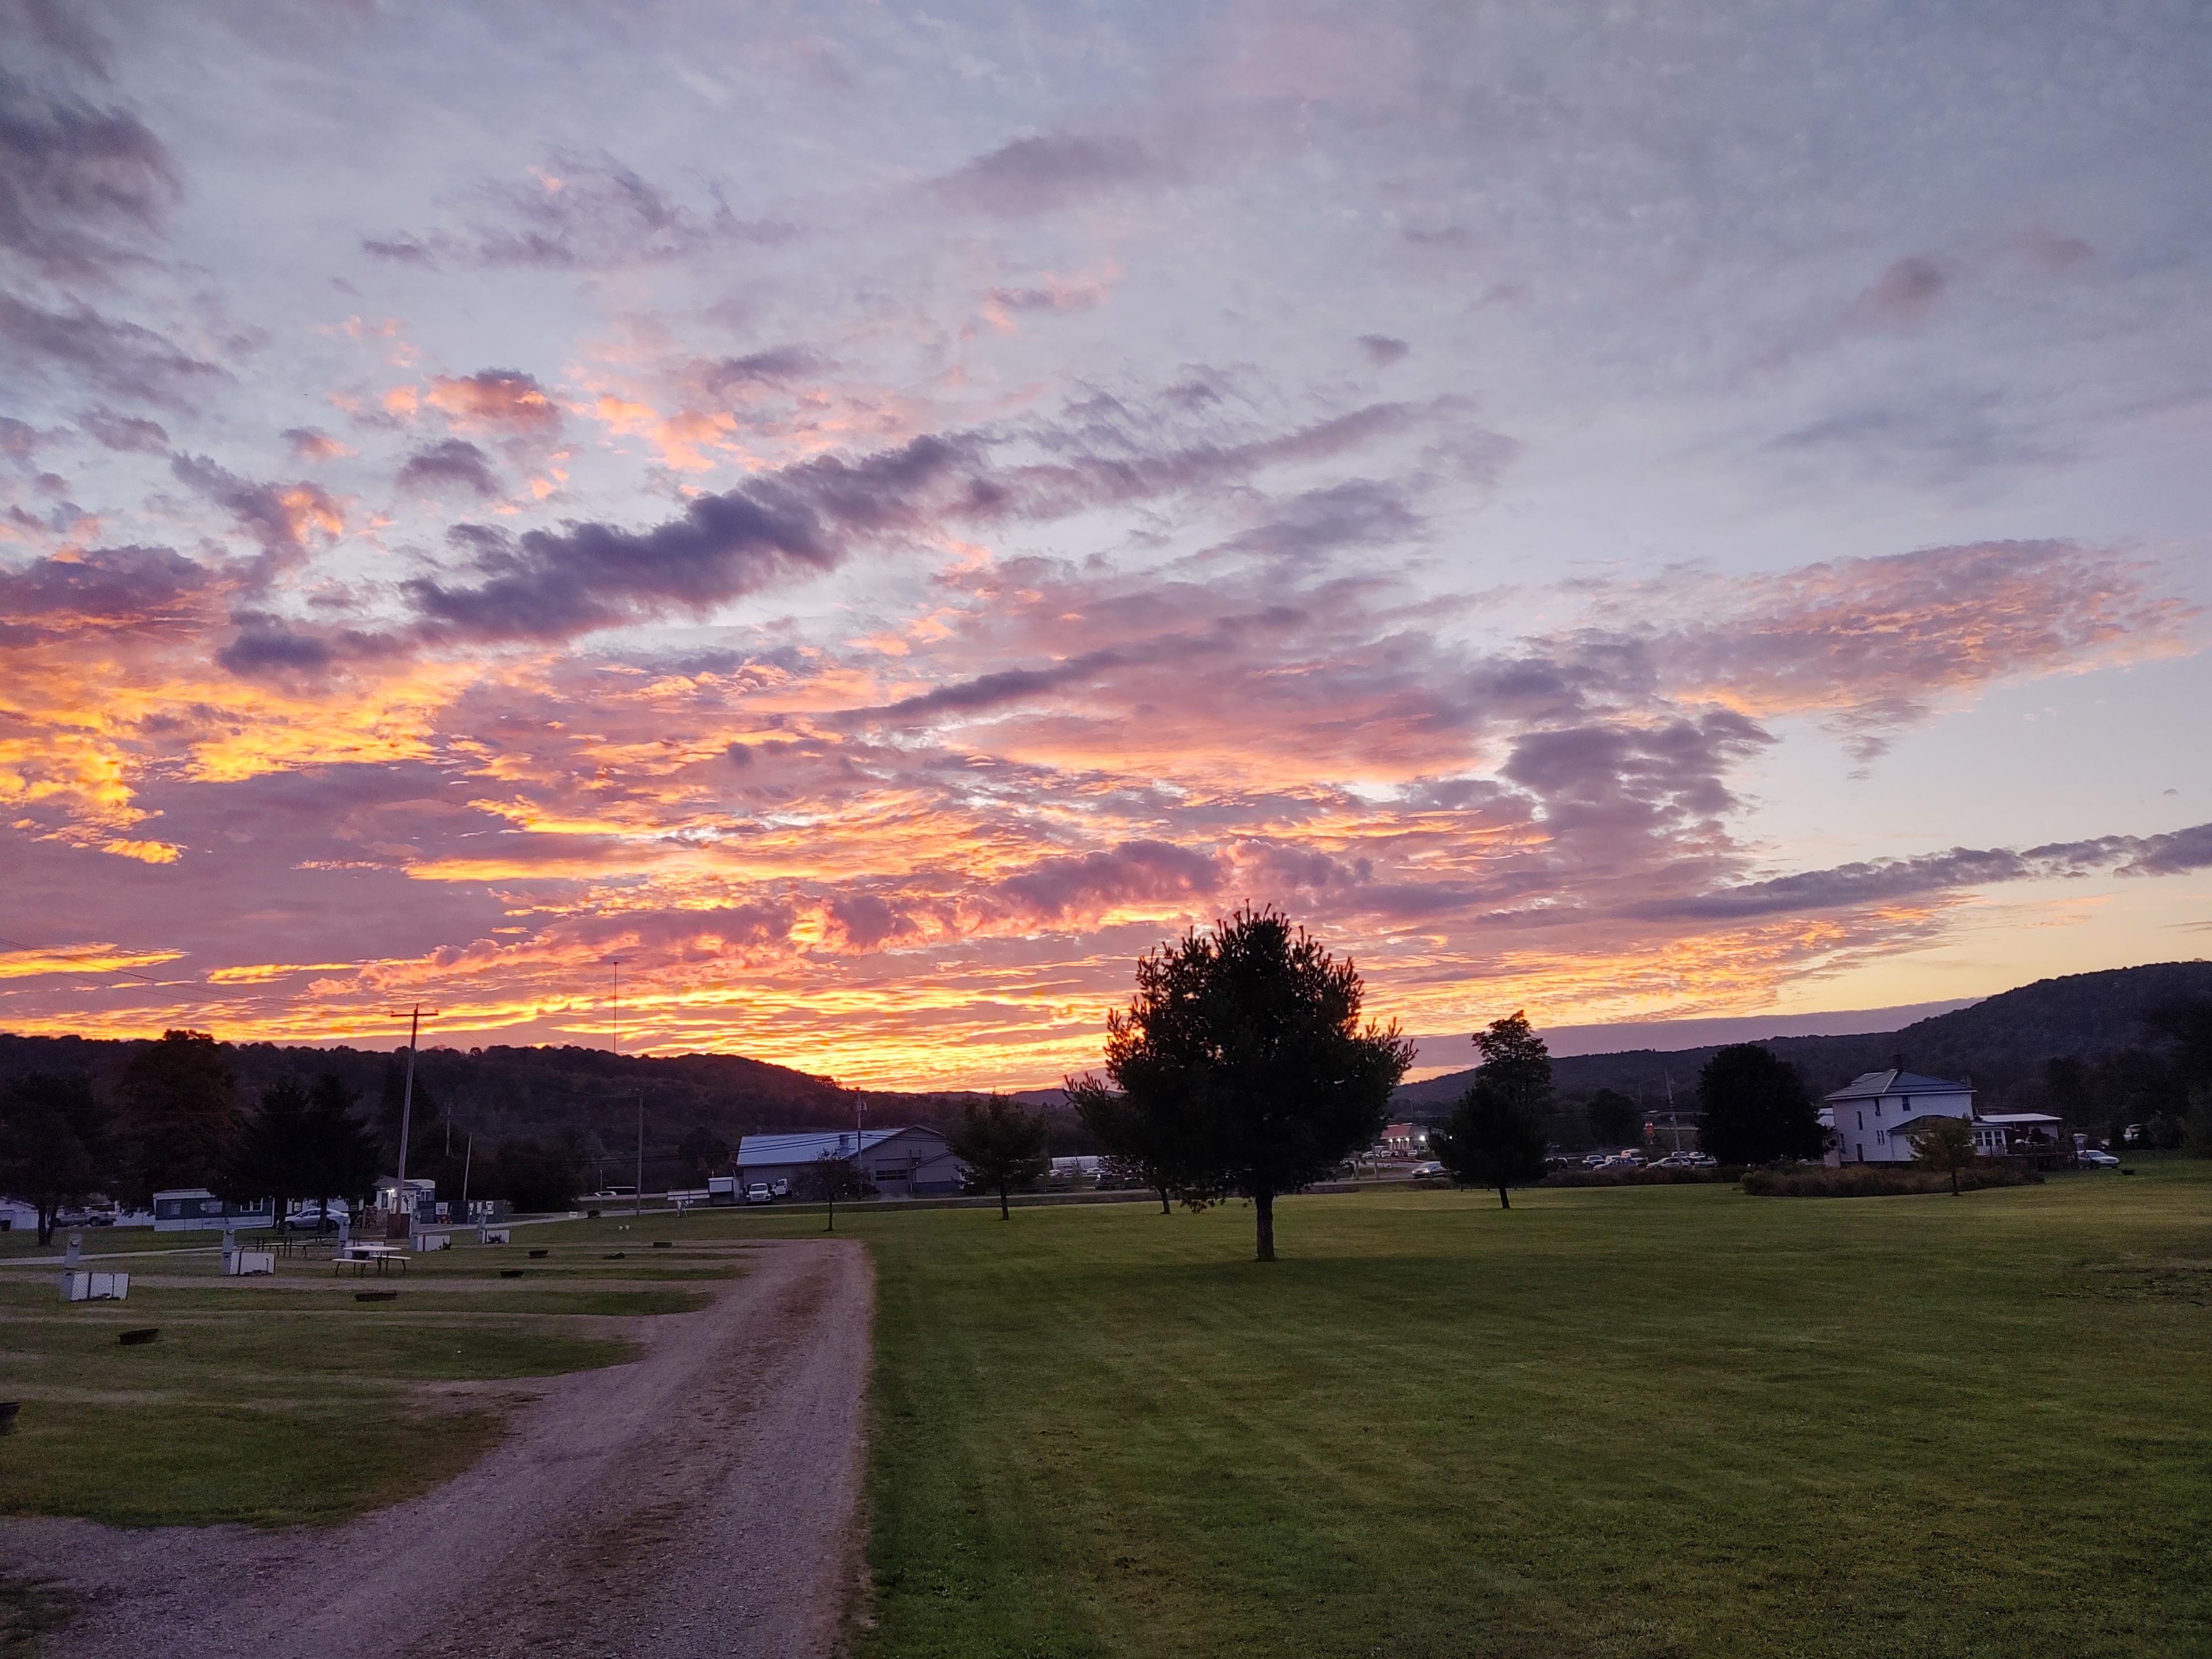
[[876, 515]]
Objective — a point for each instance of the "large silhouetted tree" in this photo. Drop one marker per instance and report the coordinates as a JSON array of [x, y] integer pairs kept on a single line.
[[340, 1153], [180, 1114], [1002, 1145], [270, 1157], [55, 1148], [1243, 1058], [1754, 1108], [1496, 1134]]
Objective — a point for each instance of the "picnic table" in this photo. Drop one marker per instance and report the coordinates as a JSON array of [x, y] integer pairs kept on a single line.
[[360, 1257]]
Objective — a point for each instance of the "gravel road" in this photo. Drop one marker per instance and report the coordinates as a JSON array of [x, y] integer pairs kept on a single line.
[[704, 1499]]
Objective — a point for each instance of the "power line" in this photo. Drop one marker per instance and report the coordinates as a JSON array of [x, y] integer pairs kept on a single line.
[[83, 956]]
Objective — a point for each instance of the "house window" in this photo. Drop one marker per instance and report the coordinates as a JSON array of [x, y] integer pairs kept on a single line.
[[1861, 1120], [1877, 1108]]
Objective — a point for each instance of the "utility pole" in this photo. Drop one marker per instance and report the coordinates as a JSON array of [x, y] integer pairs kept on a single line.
[[637, 1193], [415, 1016]]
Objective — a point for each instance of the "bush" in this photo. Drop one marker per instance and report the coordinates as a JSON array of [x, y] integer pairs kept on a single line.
[[1877, 1180], [1647, 1176]]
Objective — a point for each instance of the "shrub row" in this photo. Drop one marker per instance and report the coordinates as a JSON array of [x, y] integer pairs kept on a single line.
[[1876, 1180], [1619, 1176]]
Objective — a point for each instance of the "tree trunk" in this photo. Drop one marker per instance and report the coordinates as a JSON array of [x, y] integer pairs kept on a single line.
[[46, 1218], [1954, 1181], [1504, 1202], [831, 1226], [1005, 1214], [1264, 1204], [1164, 1207]]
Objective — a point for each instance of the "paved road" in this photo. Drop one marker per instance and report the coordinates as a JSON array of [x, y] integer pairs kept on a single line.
[[702, 1500]]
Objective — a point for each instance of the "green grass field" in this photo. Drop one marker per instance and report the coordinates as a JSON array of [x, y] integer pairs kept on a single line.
[[1663, 1421], [276, 1403], [1657, 1421]]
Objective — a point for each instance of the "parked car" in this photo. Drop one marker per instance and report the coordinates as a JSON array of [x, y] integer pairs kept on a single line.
[[2090, 1157], [1597, 1160], [759, 1192], [1427, 1171], [779, 1188], [1672, 1160]]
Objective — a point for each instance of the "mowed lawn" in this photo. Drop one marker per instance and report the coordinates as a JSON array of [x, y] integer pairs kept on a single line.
[[288, 1401], [1656, 1421]]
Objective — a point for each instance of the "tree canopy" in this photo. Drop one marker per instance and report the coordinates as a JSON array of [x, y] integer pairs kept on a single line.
[[1754, 1109], [1002, 1145], [1497, 1133], [180, 1114], [1244, 1065], [55, 1146]]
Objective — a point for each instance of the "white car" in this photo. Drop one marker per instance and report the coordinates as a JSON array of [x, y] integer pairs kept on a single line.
[[2090, 1157], [759, 1192], [779, 1188], [1426, 1172]]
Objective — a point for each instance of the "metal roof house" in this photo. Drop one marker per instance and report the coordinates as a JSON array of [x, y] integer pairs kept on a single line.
[[911, 1163], [1875, 1114]]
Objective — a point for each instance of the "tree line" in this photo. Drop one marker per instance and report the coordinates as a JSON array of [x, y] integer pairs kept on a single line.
[[173, 1119]]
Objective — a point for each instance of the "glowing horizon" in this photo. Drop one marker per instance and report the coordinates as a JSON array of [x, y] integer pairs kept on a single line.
[[1616, 522]]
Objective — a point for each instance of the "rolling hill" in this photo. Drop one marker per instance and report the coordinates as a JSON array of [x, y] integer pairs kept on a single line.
[[2000, 1042]]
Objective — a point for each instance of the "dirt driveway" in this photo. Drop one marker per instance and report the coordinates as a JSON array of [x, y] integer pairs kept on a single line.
[[702, 1500]]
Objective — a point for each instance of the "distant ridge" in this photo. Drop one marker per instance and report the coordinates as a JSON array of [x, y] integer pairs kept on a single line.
[[2001, 1041], [1676, 1033]]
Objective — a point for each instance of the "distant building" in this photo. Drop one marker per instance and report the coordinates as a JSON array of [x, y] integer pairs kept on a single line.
[[1403, 1141], [195, 1209], [1877, 1112], [912, 1163], [2032, 1132]]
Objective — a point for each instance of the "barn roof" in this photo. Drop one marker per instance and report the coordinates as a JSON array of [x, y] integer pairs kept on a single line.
[[806, 1146]]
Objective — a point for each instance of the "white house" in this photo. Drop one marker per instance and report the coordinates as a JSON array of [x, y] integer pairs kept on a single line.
[[1876, 1113]]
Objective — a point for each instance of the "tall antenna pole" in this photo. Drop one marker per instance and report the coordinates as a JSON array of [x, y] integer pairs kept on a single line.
[[637, 1193], [415, 1016]]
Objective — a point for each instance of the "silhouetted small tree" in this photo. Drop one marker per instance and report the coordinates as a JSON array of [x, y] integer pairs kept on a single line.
[[1002, 1145], [1496, 1134], [833, 1176], [55, 1147], [1944, 1144]]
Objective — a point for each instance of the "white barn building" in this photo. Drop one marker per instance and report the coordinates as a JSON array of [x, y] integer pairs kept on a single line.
[[911, 1163], [1876, 1113]]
